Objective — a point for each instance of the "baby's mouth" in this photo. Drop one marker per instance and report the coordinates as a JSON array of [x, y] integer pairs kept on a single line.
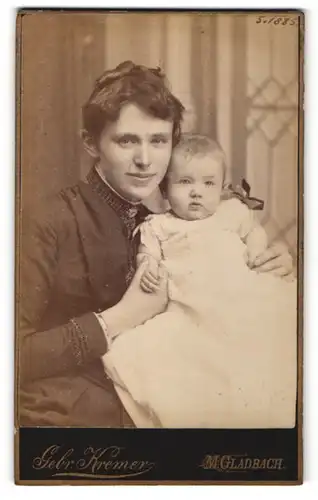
[[195, 205]]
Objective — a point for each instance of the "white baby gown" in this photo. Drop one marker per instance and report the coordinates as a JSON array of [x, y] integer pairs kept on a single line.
[[224, 354]]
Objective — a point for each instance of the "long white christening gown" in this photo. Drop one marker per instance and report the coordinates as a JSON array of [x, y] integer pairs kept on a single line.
[[224, 354]]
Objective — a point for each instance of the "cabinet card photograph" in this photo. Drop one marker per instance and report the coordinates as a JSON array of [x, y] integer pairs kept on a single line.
[[159, 224]]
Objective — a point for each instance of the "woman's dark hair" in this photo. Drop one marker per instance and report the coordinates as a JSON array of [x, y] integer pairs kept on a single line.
[[131, 83]]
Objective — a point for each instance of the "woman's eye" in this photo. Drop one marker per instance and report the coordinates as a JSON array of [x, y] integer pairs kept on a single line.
[[126, 141], [159, 140]]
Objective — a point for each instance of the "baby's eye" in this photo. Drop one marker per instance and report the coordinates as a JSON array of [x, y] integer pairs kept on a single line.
[[184, 181], [209, 183]]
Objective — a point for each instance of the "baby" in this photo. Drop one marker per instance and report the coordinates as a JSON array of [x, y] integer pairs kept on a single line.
[[194, 187], [223, 354]]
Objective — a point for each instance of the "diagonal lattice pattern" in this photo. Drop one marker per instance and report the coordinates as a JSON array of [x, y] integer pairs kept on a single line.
[[272, 126]]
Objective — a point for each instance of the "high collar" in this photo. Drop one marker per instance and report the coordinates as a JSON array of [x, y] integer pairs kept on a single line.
[[122, 207]]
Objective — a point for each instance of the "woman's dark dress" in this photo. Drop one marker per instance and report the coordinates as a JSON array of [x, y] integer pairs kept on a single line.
[[76, 259]]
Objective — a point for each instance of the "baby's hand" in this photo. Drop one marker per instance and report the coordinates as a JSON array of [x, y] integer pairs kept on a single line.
[[251, 256], [256, 243], [150, 280]]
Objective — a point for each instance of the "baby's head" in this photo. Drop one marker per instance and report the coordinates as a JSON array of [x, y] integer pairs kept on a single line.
[[195, 178]]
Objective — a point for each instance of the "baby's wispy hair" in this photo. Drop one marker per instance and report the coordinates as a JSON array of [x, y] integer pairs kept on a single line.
[[192, 145]]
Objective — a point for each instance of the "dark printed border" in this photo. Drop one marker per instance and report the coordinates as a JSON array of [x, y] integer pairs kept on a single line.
[[147, 455]]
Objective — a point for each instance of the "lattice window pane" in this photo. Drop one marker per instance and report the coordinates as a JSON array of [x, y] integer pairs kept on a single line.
[[272, 126]]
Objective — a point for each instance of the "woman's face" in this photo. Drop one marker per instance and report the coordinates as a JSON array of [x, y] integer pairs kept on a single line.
[[135, 152]]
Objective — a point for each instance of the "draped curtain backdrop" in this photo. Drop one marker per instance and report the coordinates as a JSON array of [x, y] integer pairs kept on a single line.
[[237, 79]]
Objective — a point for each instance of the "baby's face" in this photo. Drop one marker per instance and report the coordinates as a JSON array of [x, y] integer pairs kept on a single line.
[[194, 186]]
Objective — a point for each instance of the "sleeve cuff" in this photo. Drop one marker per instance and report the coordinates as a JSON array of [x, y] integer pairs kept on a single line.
[[95, 338]]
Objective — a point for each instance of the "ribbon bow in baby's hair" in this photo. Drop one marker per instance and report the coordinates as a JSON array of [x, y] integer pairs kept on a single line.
[[242, 192]]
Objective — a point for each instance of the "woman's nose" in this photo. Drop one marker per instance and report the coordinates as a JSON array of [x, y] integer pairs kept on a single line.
[[142, 156]]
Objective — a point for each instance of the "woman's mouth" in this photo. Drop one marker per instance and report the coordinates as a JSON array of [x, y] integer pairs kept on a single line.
[[141, 177]]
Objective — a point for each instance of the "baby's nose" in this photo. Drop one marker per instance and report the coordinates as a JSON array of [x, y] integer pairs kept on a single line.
[[195, 192]]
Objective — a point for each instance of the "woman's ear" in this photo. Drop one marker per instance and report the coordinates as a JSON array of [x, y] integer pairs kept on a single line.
[[89, 144]]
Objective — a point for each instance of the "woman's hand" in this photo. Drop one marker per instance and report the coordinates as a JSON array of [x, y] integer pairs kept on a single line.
[[275, 260], [137, 306], [147, 305]]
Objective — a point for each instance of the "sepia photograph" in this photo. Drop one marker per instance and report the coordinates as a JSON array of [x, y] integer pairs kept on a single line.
[[159, 234]]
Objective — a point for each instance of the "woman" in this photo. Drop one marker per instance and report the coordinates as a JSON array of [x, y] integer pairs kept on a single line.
[[78, 289]]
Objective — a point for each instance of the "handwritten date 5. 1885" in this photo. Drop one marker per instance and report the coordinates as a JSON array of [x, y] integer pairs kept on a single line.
[[283, 21]]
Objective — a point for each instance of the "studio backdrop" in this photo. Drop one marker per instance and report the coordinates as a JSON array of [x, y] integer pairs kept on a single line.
[[236, 76]]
